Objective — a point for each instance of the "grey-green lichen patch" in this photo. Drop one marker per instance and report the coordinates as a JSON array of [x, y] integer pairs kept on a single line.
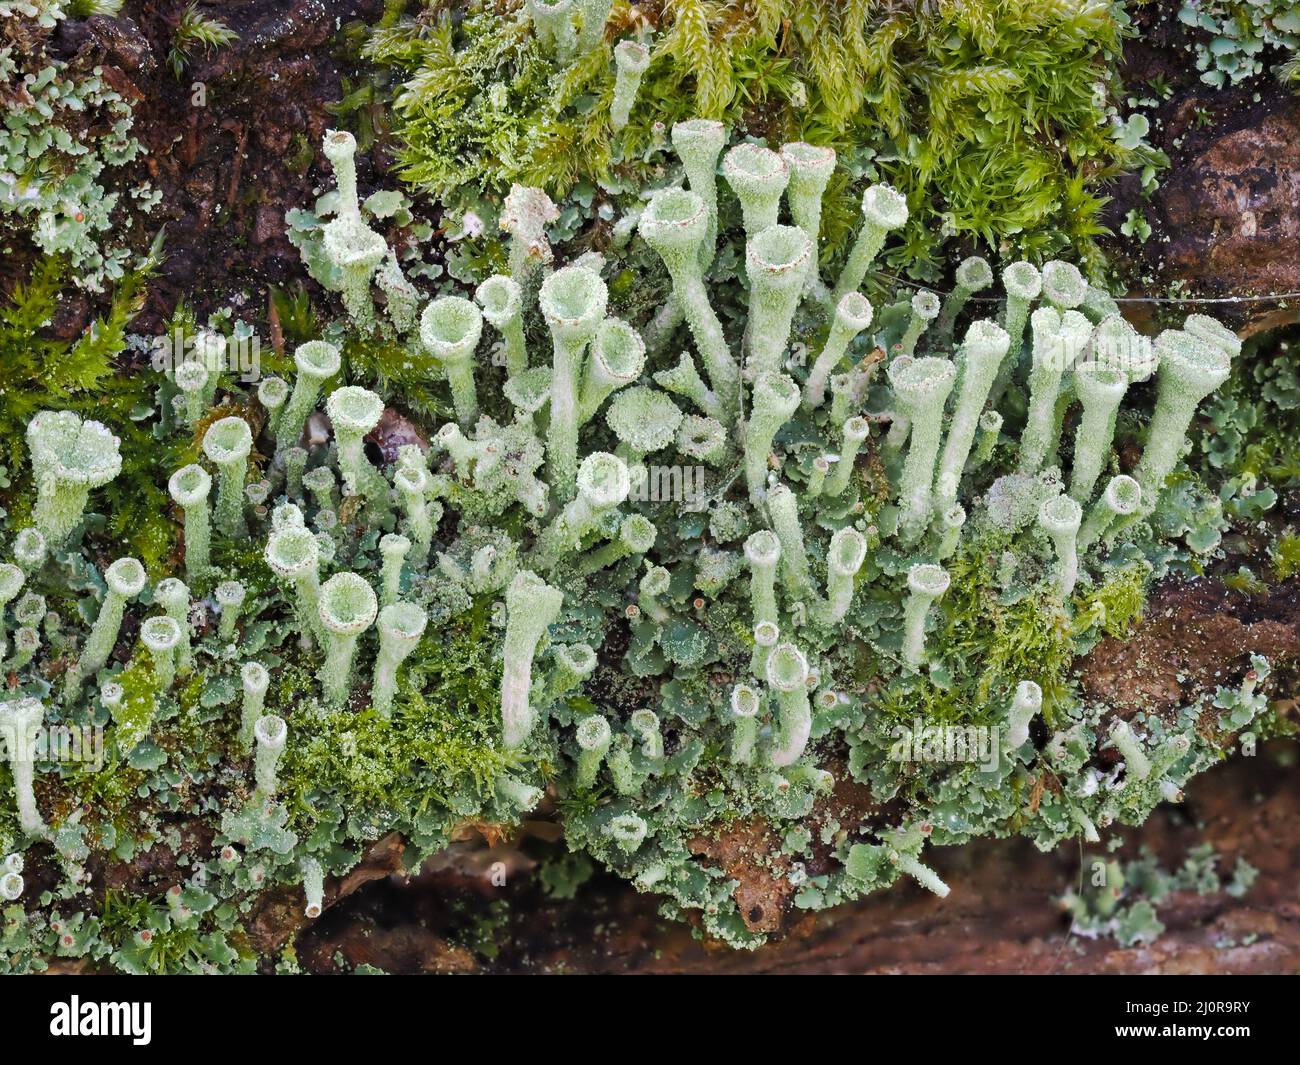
[[1123, 899], [64, 135]]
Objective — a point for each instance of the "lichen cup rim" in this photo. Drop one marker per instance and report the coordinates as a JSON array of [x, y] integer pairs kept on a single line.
[[228, 440], [403, 621], [347, 604], [160, 632], [126, 577], [925, 578], [354, 409], [754, 165], [779, 252], [603, 479], [574, 298], [292, 550]]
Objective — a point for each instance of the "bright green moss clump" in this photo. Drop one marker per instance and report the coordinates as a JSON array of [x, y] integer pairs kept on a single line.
[[487, 103]]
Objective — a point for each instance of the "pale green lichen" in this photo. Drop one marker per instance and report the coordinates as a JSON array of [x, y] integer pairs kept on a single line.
[[922, 387], [254, 680], [852, 315], [1059, 518], [450, 328], [502, 301], [400, 627], [777, 260], [316, 362], [573, 302], [124, 580], [69, 459], [758, 176], [1190, 369], [346, 606], [631, 59], [787, 677], [531, 606], [667, 667], [189, 487], [227, 443], [20, 720], [161, 635], [676, 224], [883, 210], [925, 583], [269, 736]]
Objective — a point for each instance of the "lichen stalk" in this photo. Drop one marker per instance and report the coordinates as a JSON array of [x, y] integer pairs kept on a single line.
[[124, 580], [502, 301], [971, 276], [674, 224], [230, 597], [602, 484], [532, 606], [20, 721], [925, 583], [316, 362], [883, 209], [1190, 369], [450, 328], [269, 735], [744, 705], [347, 606], [924, 310], [228, 443], [810, 169], [847, 552], [787, 677], [254, 681], [856, 431], [1025, 705], [1121, 498], [1060, 518], [775, 399], [980, 357], [593, 736], [161, 635], [852, 315], [573, 302], [758, 176], [776, 260], [630, 61], [401, 625], [393, 549], [921, 387], [783, 512], [1100, 391], [69, 459]]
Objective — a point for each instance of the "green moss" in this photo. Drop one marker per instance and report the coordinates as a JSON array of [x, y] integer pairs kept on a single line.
[[1117, 605], [484, 106], [1286, 556], [139, 701], [985, 648], [993, 117], [442, 747]]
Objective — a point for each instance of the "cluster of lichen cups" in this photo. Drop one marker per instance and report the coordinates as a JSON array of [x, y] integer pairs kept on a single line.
[[942, 425], [741, 394]]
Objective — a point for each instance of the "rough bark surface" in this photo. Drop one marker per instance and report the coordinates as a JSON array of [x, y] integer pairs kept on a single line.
[[1195, 637], [1226, 214]]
